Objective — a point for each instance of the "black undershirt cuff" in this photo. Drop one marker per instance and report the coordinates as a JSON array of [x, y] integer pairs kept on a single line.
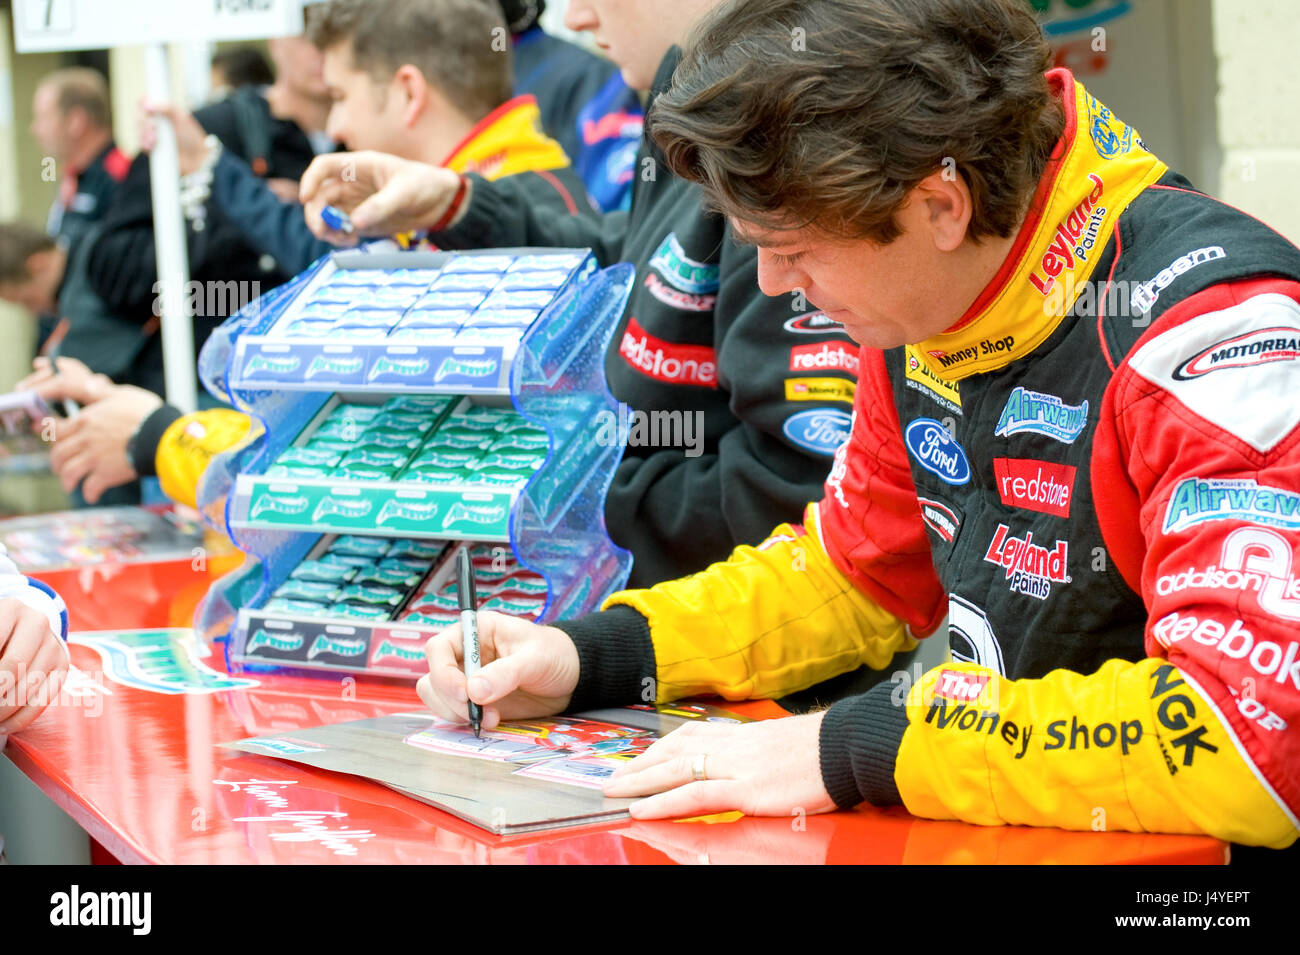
[[616, 659], [142, 449], [859, 745]]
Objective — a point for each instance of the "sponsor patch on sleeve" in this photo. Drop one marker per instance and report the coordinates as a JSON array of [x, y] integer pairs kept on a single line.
[[1238, 368], [820, 389]]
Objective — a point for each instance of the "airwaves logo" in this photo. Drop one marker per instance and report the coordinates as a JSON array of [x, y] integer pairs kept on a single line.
[[276, 366], [407, 511], [466, 368], [325, 365], [473, 514], [1196, 501], [279, 505], [402, 367], [262, 640], [1038, 413], [339, 648]]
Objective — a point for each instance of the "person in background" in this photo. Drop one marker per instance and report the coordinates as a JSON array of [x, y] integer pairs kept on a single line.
[[39, 274], [238, 67], [586, 105], [770, 380], [408, 75], [72, 123]]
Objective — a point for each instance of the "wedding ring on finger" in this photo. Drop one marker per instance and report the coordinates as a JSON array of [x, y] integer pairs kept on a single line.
[[697, 767]]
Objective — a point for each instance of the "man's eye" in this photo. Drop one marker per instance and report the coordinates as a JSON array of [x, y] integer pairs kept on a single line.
[[789, 259]]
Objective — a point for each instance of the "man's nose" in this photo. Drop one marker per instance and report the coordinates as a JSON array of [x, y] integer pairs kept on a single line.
[[776, 278]]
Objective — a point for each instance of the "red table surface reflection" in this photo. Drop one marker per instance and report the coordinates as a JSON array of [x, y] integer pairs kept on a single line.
[[142, 773]]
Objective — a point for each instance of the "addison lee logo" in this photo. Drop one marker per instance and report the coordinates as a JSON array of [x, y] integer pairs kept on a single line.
[[76, 908]]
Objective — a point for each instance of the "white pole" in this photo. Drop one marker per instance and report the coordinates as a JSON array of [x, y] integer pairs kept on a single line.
[[169, 238]]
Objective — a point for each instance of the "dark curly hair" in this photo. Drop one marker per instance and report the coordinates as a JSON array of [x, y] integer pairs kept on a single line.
[[824, 113]]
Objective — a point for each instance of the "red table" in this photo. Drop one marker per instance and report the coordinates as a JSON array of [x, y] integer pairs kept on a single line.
[[145, 778]]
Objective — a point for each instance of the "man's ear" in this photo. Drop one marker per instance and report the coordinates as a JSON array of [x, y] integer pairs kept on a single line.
[[946, 199], [415, 92]]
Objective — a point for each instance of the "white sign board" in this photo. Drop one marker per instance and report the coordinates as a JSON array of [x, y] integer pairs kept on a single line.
[[44, 26]]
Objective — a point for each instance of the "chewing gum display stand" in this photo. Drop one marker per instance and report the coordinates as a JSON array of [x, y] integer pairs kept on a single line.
[[408, 401]]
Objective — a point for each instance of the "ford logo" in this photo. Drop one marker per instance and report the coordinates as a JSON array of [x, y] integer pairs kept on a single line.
[[818, 431], [937, 451]]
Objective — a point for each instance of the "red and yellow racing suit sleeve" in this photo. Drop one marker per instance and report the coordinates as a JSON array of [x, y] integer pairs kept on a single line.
[[1196, 471], [798, 608], [189, 443]]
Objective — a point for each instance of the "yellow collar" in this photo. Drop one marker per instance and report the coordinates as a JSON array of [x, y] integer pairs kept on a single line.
[[508, 140], [1099, 167]]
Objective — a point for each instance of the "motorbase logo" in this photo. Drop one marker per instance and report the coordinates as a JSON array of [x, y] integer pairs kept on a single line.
[[820, 389], [1261, 347], [940, 518], [826, 356], [1034, 485], [918, 376], [668, 362], [813, 323], [819, 431], [1197, 501], [1074, 238], [1253, 560], [1039, 413], [1030, 568], [937, 451]]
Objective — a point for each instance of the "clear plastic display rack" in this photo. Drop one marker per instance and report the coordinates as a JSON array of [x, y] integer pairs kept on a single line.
[[404, 402]]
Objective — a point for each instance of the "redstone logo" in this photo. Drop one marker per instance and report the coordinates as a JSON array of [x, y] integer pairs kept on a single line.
[[668, 361], [826, 356], [1035, 485]]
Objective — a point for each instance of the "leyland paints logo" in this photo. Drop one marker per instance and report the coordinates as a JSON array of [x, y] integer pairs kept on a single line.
[[821, 432], [937, 451], [1045, 414], [1075, 236], [1030, 568], [1259, 347]]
